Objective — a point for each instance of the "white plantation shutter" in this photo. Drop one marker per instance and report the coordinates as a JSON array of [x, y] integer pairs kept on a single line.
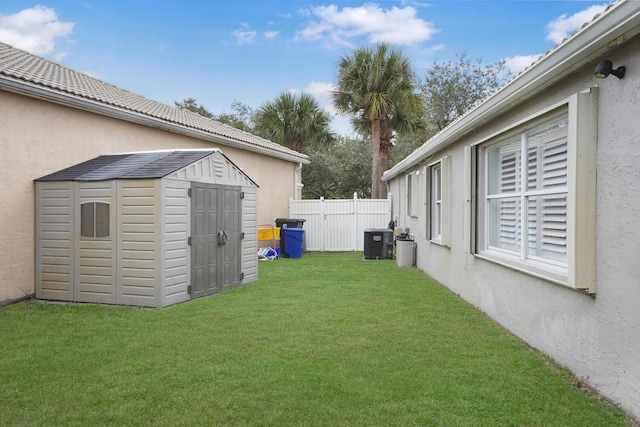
[[547, 191], [554, 206], [407, 195], [509, 173], [436, 201], [554, 227], [445, 226], [439, 174], [529, 210], [509, 226], [547, 227], [536, 187], [504, 176], [554, 165], [414, 194]]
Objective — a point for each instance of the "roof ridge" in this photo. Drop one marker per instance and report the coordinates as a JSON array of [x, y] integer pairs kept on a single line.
[[35, 58], [23, 66]]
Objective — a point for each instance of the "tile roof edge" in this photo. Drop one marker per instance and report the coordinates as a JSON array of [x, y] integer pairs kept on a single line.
[[436, 141], [51, 92]]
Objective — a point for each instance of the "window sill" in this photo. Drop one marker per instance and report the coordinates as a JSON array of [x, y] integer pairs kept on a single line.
[[548, 273], [439, 243]]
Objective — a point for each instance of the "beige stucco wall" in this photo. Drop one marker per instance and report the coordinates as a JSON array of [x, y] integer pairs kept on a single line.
[[38, 137]]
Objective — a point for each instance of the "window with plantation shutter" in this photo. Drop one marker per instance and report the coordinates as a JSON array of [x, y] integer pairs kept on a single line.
[[547, 190], [535, 194], [94, 219], [439, 197], [412, 194], [526, 200], [436, 201]]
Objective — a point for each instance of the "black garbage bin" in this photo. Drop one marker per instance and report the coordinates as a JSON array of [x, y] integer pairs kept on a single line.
[[288, 223]]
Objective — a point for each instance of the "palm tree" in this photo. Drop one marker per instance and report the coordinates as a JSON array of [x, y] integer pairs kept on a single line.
[[293, 121], [379, 86]]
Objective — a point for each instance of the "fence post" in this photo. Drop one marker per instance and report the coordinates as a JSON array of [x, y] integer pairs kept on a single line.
[[323, 224], [354, 243]]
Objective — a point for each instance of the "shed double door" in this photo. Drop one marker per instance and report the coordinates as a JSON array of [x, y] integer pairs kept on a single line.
[[215, 238]]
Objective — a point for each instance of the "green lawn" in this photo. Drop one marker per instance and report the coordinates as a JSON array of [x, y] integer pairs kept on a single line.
[[326, 340]]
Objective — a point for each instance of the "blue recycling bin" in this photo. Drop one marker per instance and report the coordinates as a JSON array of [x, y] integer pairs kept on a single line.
[[294, 238]]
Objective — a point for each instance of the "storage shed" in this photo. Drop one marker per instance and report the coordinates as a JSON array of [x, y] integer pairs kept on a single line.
[[146, 229]]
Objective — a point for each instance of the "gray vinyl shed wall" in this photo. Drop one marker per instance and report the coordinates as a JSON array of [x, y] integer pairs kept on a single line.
[[146, 261]]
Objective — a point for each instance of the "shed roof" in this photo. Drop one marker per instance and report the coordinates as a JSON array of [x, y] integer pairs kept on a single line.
[[32, 75], [150, 164]]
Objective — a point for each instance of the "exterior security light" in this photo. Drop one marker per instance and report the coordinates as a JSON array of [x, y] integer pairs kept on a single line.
[[605, 68]]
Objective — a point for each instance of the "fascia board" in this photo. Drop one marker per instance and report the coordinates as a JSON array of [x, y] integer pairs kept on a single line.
[[69, 100], [608, 31]]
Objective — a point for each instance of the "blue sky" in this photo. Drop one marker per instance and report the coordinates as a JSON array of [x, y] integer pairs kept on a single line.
[[250, 51]]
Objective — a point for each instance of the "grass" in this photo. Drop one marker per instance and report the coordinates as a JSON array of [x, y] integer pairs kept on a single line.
[[326, 340]]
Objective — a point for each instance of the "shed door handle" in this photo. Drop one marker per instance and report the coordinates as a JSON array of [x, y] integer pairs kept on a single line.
[[222, 237]]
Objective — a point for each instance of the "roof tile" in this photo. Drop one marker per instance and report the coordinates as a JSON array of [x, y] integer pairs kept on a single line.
[[23, 66]]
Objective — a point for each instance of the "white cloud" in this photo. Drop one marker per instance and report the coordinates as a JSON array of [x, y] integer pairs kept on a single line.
[[517, 63], [558, 29], [35, 30], [399, 26], [561, 27], [320, 89], [436, 48], [271, 34], [341, 124], [245, 37], [316, 31]]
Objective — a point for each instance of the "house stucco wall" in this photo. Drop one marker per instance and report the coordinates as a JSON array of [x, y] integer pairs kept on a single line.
[[39, 137], [596, 337]]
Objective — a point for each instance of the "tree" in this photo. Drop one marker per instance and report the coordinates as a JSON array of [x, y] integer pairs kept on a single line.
[[379, 86], [405, 144], [295, 121], [450, 89], [338, 170], [241, 117], [192, 105]]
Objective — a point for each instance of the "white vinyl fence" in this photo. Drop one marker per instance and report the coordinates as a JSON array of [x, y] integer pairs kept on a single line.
[[338, 225]]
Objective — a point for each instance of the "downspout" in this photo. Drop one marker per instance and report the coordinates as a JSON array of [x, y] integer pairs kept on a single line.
[[297, 185]]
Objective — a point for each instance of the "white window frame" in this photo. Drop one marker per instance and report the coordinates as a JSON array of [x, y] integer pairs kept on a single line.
[[578, 271], [439, 201], [411, 185]]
